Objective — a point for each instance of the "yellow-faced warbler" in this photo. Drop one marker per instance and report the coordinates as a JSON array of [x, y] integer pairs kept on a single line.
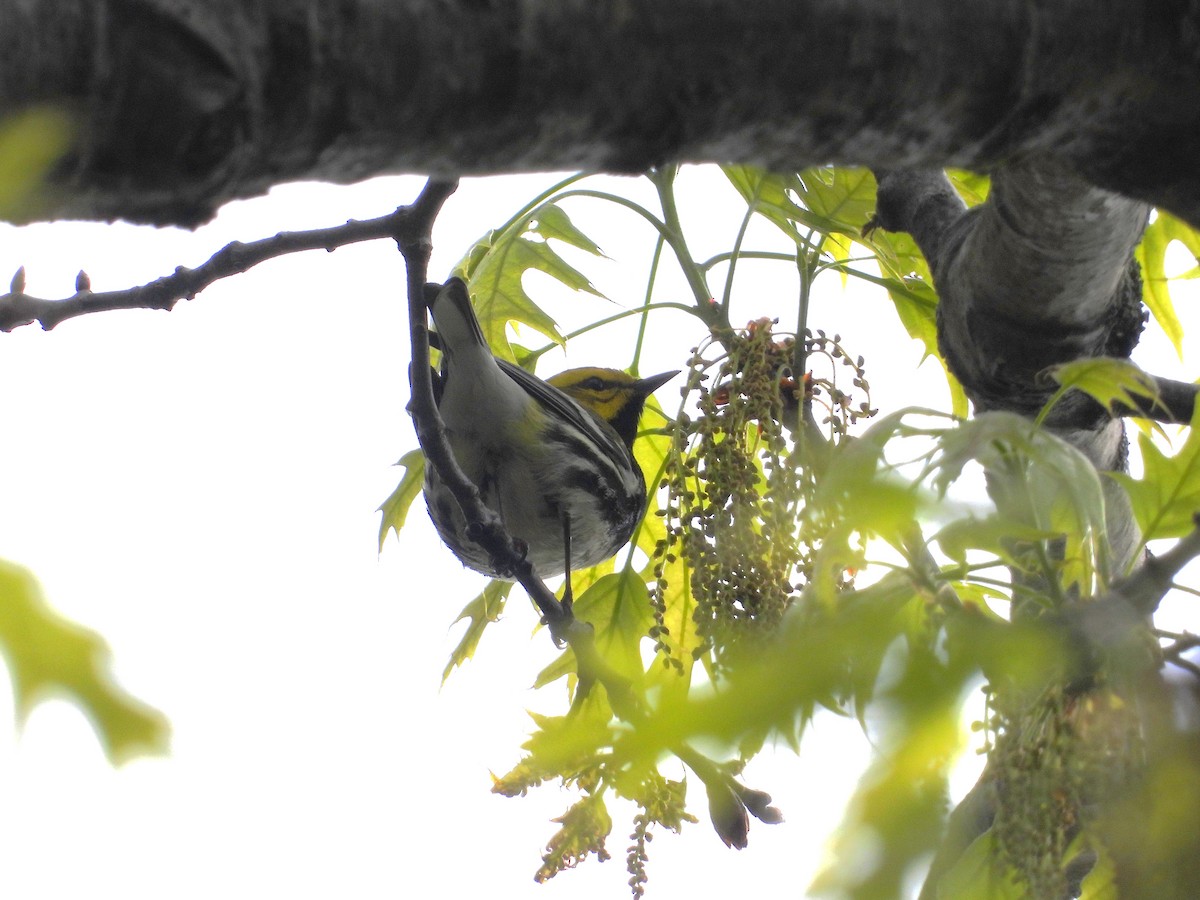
[[552, 458]]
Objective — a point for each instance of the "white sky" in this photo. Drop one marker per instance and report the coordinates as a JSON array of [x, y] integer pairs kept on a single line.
[[200, 487]]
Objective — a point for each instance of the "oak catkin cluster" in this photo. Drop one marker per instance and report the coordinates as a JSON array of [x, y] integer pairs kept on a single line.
[[738, 481]]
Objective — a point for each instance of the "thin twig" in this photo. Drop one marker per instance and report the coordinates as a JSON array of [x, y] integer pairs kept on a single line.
[[1185, 664], [1145, 588], [18, 308], [1181, 643], [925, 572]]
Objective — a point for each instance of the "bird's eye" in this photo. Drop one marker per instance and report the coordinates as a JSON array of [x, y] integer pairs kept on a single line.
[[593, 383]]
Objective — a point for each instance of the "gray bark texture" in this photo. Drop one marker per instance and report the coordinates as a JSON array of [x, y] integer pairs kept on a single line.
[[183, 105]]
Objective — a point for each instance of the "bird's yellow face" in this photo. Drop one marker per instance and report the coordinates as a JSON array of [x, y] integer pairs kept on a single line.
[[613, 395], [604, 391]]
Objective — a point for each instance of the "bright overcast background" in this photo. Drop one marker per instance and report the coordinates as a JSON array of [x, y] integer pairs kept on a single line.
[[200, 487]]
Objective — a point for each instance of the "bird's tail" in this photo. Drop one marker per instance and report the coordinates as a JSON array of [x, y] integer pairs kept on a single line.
[[457, 327]]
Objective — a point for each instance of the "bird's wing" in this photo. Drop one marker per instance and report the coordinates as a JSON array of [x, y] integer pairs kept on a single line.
[[559, 403]]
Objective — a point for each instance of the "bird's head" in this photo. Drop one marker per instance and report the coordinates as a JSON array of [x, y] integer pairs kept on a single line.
[[615, 396]]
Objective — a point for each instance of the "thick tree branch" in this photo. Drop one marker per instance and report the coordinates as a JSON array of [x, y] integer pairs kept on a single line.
[[1174, 402], [1101, 634], [922, 202], [1064, 284], [1039, 274], [181, 107]]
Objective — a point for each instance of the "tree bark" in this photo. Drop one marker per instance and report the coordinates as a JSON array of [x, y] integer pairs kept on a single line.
[[183, 105], [1039, 274]]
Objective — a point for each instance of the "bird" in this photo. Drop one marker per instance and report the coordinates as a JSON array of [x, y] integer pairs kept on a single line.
[[553, 458]]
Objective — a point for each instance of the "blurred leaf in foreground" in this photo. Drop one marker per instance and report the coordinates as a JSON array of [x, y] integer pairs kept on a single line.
[[31, 142], [50, 656]]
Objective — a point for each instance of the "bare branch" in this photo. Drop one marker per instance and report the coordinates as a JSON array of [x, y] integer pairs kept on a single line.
[[18, 308], [1186, 664], [1145, 588]]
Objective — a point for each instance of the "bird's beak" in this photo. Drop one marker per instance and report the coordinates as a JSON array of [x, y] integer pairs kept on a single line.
[[647, 386]]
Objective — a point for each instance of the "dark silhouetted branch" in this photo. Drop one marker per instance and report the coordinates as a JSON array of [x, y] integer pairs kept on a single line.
[[18, 308]]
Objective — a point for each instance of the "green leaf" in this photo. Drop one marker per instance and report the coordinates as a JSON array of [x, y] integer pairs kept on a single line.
[[830, 200], [31, 142], [562, 667], [495, 269], [1101, 882], [767, 193], [50, 656], [1167, 495], [899, 256], [978, 874], [977, 596], [1037, 480], [395, 507], [916, 305], [880, 604], [900, 803], [618, 607], [552, 223], [585, 826], [481, 612], [842, 197], [1151, 254], [824, 649], [971, 186], [570, 746], [859, 492], [1106, 380], [992, 534]]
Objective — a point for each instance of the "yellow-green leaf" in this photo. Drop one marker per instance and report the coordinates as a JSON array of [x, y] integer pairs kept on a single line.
[[767, 193], [1106, 380], [480, 612], [830, 200], [916, 305], [552, 223], [585, 826], [618, 607], [842, 197], [900, 802], [980, 874], [395, 507], [50, 656], [495, 270], [1101, 881], [971, 186], [30, 143], [567, 745], [1151, 255], [1167, 496]]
